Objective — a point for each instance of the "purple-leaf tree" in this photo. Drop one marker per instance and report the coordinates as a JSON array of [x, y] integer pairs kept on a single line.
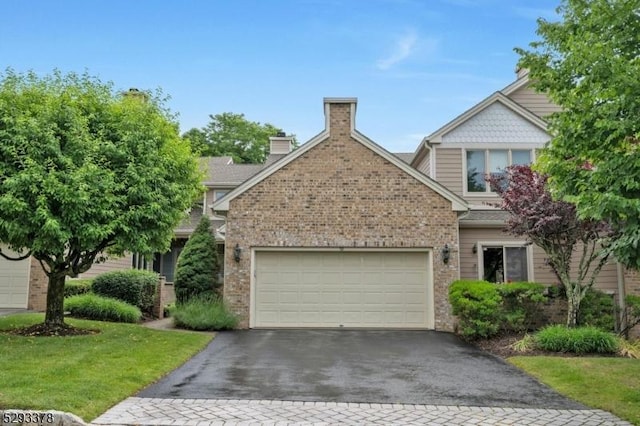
[[555, 227]]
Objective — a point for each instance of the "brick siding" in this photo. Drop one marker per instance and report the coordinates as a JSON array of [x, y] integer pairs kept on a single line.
[[340, 194]]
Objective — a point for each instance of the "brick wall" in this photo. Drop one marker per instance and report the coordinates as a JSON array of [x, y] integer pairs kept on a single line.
[[38, 283], [340, 194]]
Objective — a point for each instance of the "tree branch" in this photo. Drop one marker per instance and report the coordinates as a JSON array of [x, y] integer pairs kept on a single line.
[[23, 257]]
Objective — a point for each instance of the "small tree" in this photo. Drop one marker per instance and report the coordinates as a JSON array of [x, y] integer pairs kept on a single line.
[[230, 134], [555, 227], [86, 172], [198, 264]]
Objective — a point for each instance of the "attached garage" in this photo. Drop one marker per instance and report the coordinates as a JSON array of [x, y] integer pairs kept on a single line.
[[343, 288], [14, 281]]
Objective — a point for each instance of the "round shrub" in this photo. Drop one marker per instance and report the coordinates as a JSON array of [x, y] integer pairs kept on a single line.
[[94, 307], [521, 305], [478, 307], [197, 265], [75, 287], [579, 340], [133, 286]]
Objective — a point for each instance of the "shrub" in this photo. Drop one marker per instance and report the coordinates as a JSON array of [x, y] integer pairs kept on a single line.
[[204, 312], [197, 265], [521, 305], [92, 306], [579, 340], [76, 287], [629, 349], [477, 305], [132, 286], [597, 309]]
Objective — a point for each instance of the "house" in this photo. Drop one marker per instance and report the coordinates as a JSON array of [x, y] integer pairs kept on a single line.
[[342, 233]]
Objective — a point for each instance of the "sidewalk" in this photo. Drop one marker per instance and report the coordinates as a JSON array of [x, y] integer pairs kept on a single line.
[[200, 412]]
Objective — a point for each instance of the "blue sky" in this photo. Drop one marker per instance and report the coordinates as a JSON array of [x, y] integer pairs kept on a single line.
[[414, 65]]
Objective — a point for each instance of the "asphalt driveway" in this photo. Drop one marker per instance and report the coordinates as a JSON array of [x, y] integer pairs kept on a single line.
[[410, 367]]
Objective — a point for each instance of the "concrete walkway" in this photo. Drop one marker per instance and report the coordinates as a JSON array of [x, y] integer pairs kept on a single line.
[[200, 412]]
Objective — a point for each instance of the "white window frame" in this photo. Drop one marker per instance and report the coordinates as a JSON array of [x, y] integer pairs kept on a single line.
[[529, 250], [487, 192]]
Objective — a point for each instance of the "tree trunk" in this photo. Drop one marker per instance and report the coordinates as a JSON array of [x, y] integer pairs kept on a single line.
[[55, 300], [573, 302]]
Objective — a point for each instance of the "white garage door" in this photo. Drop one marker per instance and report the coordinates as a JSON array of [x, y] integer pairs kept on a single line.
[[343, 289], [14, 281]]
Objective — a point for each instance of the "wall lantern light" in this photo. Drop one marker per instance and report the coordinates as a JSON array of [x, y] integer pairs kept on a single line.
[[237, 252], [446, 253], [474, 249]]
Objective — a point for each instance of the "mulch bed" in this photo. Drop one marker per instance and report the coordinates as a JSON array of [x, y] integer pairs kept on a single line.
[[500, 346], [43, 330]]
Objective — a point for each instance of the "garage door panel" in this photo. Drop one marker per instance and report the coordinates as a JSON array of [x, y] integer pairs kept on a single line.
[[350, 289], [14, 281]]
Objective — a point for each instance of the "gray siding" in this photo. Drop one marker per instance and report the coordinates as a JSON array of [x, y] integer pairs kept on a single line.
[[112, 264], [449, 168], [537, 103], [607, 280], [425, 165]]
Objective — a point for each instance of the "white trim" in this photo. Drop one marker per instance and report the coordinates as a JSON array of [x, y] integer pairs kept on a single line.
[[432, 169], [204, 202], [429, 251], [494, 145], [502, 243], [512, 87]]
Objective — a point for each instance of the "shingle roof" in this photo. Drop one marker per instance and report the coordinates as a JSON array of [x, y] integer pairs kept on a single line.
[[222, 171], [484, 217], [188, 225], [404, 156]]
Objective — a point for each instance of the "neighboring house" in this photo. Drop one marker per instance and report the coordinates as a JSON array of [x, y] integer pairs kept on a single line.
[[342, 233]]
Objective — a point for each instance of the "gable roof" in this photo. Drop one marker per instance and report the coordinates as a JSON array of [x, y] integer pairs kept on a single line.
[[458, 204], [436, 137]]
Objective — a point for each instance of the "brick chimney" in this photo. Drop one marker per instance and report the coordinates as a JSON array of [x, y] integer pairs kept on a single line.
[[340, 115], [280, 144]]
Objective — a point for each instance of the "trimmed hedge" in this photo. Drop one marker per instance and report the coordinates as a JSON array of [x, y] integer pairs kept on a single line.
[[477, 305], [94, 307], [76, 287], [485, 308], [521, 305], [579, 340], [133, 286], [597, 309]]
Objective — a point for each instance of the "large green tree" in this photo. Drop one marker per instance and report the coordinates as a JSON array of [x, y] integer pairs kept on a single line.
[[589, 64], [230, 134], [87, 172]]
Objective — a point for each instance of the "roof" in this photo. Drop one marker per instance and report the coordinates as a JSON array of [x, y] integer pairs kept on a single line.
[[484, 218], [189, 224], [458, 203], [404, 156], [220, 173]]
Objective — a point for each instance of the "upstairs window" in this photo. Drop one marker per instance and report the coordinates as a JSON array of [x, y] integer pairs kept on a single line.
[[481, 162], [219, 193]]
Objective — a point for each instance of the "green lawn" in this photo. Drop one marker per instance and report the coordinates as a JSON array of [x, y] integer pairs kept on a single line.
[[86, 375], [611, 384]]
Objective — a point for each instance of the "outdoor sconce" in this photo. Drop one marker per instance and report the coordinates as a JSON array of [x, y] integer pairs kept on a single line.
[[446, 253], [474, 249], [237, 252]]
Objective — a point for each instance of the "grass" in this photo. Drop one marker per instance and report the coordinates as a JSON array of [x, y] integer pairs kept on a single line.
[[92, 306], [204, 312], [86, 375], [611, 384]]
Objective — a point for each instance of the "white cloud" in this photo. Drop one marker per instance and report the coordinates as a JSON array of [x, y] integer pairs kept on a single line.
[[404, 47]]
